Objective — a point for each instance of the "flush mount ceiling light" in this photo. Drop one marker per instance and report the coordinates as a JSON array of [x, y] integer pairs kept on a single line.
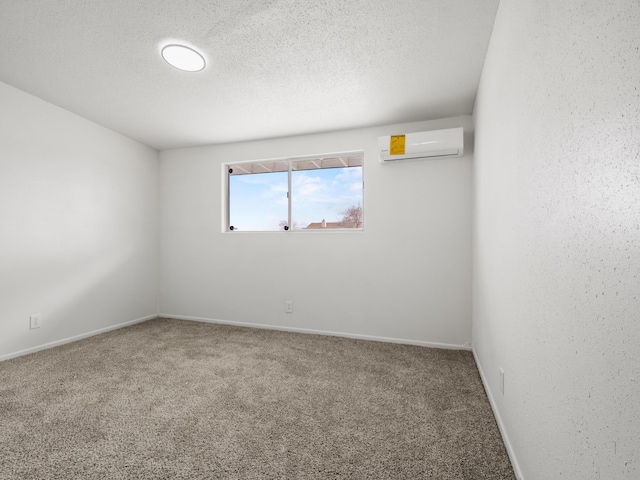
[[183, 58]]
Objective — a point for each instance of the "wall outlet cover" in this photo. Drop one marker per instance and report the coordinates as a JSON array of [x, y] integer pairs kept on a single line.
[[35, 321]]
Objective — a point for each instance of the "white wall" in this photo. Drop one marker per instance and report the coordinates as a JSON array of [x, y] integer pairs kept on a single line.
[[407, 276], [556, 292], [78, 225]]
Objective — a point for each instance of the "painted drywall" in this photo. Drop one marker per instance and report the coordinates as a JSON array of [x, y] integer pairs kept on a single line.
[[406, 277], [556, 292], [78, 225]]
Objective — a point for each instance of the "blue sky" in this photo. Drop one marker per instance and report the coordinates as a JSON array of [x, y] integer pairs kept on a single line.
[[258, 202]]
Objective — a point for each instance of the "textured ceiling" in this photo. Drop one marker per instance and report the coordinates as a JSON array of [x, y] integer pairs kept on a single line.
[[275, 67]]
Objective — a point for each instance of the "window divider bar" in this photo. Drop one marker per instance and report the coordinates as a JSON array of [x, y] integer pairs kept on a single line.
[[289, 197]]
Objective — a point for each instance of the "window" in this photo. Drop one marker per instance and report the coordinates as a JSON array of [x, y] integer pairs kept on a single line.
[[308, 193]]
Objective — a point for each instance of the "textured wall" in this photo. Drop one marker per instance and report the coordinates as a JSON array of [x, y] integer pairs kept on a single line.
[[78, 224], [407, 276], [556, 293]]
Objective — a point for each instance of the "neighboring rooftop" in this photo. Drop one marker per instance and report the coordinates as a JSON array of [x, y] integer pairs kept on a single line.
[[323, 224]]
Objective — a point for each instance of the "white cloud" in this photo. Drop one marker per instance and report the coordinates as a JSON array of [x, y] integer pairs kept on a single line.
[[306, 186], [347, 175]]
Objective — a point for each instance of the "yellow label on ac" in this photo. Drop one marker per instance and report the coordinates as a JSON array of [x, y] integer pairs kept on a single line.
[[396, 145]]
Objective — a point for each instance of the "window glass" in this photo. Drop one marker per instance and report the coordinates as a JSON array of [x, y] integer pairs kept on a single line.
[[258, 202], [326, 193], [321, 198]]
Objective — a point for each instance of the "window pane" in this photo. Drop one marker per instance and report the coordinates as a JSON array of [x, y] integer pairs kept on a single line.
[[326, 192], [326, 196], [258, 201]]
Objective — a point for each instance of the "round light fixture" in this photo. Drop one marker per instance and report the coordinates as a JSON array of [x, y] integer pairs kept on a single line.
[[183, 58]]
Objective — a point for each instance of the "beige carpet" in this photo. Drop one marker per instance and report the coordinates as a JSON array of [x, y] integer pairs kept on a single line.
[[178, 399]]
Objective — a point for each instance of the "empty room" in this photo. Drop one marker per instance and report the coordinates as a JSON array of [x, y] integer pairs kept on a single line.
[[283, 239]]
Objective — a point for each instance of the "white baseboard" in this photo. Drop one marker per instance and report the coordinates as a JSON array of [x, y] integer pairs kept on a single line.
[[446, 346], [501, 427], [75, 338]]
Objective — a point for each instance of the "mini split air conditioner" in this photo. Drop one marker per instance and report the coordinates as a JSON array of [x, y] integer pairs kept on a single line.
[[413, 146]]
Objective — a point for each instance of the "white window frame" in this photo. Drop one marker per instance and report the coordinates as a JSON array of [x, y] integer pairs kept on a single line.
[[290, 161]]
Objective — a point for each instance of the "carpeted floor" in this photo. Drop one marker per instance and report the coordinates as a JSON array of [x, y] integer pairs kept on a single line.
[[178, 399]]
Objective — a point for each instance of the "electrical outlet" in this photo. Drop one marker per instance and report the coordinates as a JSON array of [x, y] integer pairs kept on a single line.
[[501, 381], [288, 306], [35, 321]]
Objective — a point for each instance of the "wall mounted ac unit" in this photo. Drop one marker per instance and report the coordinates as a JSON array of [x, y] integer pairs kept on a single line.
[[412, 146]]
